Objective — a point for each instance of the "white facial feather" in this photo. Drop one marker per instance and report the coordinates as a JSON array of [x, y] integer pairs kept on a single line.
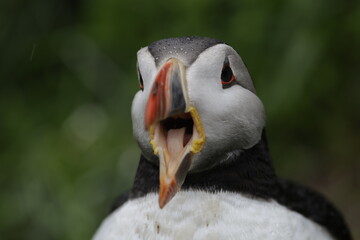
[[148, 71], [233, 118]]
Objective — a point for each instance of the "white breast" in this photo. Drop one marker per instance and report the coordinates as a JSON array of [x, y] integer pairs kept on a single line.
[[201, 215]]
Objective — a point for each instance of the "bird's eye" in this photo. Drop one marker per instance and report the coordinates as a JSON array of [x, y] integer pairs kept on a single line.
[[227, 75], [141, 81]]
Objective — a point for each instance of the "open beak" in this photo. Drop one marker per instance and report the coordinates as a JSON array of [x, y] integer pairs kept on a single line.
[[175, 128]]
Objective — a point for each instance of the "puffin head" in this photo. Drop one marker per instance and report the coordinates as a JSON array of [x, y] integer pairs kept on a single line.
[[196, 107]]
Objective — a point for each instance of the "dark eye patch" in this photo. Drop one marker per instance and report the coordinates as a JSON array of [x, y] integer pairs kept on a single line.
[[227, 75], [141, 81]]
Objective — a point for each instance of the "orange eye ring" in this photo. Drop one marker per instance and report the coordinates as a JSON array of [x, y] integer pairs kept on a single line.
[[232, 79]]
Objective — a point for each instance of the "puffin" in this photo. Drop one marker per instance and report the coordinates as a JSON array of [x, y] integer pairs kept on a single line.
[[205, 170]]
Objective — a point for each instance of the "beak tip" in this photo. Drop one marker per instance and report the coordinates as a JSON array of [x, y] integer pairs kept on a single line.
[[167, 192], [161, 204], [164, 200]]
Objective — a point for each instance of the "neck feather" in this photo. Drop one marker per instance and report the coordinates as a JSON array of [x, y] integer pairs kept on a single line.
[[249, 172]]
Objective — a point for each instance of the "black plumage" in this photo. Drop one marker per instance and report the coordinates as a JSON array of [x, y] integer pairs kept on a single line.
[[251, 173]]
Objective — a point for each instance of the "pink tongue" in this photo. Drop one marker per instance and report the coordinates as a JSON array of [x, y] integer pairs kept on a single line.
[[175, 141]]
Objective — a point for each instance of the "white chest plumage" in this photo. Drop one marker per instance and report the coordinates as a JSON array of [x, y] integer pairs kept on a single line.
[[202, 215]]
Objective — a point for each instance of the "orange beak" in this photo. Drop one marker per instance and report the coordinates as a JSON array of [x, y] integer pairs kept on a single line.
[[166, 105], [167, 93]]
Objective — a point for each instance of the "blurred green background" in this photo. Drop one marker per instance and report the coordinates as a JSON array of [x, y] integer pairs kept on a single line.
[[67, 78]]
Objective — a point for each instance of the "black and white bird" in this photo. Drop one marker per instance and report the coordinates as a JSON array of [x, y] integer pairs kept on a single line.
[[205, 171]]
